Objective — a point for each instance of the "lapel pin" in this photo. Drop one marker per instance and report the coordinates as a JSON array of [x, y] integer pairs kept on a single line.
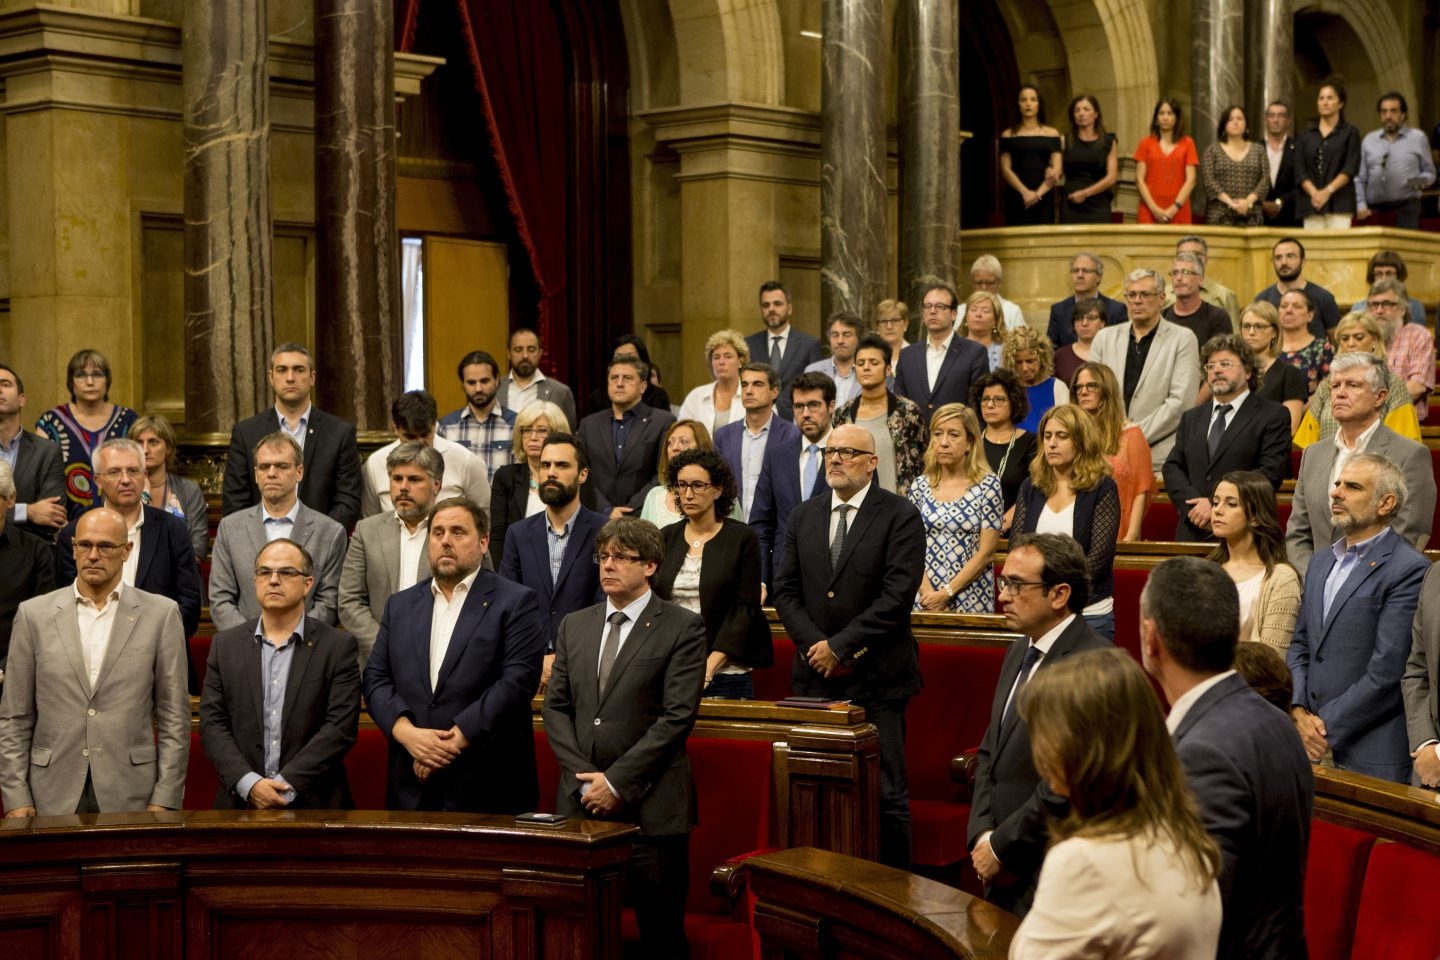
[[485, 604], [131, 619]]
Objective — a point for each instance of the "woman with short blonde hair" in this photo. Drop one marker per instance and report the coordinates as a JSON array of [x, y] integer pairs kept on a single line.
[[985, 326], [1030, 354], [718, 402], [515, 491], [167, 490], [892, 322]]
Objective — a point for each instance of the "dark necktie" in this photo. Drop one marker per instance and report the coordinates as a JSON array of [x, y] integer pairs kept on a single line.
[[611, 648], [1027, 666], [838, 544], [775, 352], [1217, 429]]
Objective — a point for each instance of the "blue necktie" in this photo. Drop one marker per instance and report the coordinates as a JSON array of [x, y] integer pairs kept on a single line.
[[811, 471]]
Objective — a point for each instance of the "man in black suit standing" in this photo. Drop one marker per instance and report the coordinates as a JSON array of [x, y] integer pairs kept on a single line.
[[793, 470], [35, 465], [786, 349], [624, 441], [1279, 204], [1236, 430], [1245, 761], [940, 369], [1043, 588], [847, 608], [622, 700], [331, 484], [281, 704]]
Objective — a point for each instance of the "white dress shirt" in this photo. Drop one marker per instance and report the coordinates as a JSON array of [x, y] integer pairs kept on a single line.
[[934, 357], [518, 397], [1343, 452], [95, 627], [132, 562], [412, 548], [443, 617], [1186, 700], [854, 503]]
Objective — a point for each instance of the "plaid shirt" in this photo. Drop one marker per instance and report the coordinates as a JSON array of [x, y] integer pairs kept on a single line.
[[1412, 356], [490, 439]]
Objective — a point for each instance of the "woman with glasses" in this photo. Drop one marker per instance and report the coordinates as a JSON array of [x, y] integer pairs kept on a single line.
[[1002, 401], [959, 499], [83, 424], [892, 322], [718, 403], [1300, 348], [983, 311], [1131, 871], [169, 491], [1360, 333], [1030, 162], [1070, 491], [1097, 392], [660, 507], [1327, 160], [712, 568], [1165, 165], [1028, 352], [1086, 319], [515, 491], [1236, 172], [1260, 328], [1251, 548], [894, 421]]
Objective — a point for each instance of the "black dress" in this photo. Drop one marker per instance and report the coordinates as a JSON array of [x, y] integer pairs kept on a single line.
[[1015, 457], [1029, 159], [1283, 382], [1086, 163]]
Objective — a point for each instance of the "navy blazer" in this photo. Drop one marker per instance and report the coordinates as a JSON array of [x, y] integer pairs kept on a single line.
[[167, 564], [1347, 668], [331, 484], [527, 562], [965, 362], [624, 484], [1062, 318], [490, 673], [801, 350], [1252, 780], [776, 495], [730, 444], [509, 496]]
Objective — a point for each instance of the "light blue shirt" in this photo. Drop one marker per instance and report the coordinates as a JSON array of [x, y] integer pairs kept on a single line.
[[752, 456], [304, 428], [10, 452], [846, 388], [279, 527], [274, 677], [1347, 558], [1393, 171]]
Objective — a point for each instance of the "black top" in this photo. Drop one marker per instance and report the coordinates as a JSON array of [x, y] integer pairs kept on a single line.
[[1209, 321], [1029, 159], [1015, 457], [1086, 163], [29, 565], [1283, 382], [1139, 353], [1320, 159], [735, 624]]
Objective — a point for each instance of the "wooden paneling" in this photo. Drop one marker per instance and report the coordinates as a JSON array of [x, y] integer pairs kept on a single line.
[[466, 308]]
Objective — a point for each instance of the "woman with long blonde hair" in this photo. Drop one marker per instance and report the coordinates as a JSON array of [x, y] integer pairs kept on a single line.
[[959, 499], [1070, 491], [1097, 392], [1131, 871]]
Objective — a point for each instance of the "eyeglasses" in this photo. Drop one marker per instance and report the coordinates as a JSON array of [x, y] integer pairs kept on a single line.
[[937, 307], [620, 558], [286, 574], [1083, 270], [845, 454], [812, 406], [1383, 304], [889, 321], [696, 487], [1183, 272], [83, 548], [89, 375], [1135, 296], [1086, 388], [267, 467], [542, 431], [1011, 585], [1252, 327], [994, 401], [1220, 365], [115, 473]]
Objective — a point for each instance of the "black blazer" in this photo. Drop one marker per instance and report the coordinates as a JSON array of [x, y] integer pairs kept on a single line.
[[509, 496], [1062, 315], [527, 562], [1256, 438], [965, 362], [735, 623], [39, 473], [624, 484], [1248, 771], [862, 608], [1009, 797], [331, 484], [1283, 188], [801, 350], [318, 726]]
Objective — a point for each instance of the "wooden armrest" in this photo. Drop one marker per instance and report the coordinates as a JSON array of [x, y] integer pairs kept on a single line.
[[729, 880], [963, 770]]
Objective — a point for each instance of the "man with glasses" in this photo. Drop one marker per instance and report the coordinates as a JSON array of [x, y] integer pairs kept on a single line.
[[847, 609], [279, 470], [1188, 308], [413, 417], [744, 442], [1410, 349], [1235, 430], [940, 369], [1395, 166], [277, 737], [1043, 588], [1390, 265], [1157, 363], [1288, 258], [794, 470], [95, 717], [1212, 291], [1086, 272], [622, 701]]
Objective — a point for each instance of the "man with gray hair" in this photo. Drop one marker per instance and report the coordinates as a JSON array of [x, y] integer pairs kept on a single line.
[[1358, 391], [1157, 363], [1188, 308], [388, 552], [986, 274], [1410, 349], [1086, 272], [28, 562], [1212, 291], [1353, 634]]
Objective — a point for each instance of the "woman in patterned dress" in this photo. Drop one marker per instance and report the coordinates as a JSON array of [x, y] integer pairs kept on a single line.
[[959, 499], [1298, 346], [895, 422], [81, 425]]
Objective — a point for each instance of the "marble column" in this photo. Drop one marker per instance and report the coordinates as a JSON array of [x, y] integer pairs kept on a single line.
[[929, 144], [228, 267], [1217, 70], [852, 157], [358, 319], [1269, 58]]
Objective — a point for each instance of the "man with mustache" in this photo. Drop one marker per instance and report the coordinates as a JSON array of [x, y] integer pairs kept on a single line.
[[451, 675], [483, 426], [551, 552], [525, 383]]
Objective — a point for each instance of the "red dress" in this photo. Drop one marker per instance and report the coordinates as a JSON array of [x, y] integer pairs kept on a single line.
[[1165, 175]]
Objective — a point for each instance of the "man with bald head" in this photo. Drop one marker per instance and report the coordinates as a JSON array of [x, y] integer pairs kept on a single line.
[[847, 608], [112, 731]]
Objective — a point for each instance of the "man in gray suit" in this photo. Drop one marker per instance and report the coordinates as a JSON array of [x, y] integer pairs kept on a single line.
[[388, 552], [1157, 363], [525, 384], [34, 462], [1358, 391], [1420, 685], [279, 467], [95, 716]]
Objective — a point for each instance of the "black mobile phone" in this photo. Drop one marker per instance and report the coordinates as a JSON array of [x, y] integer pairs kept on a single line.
[[810, 699], [541, 819]]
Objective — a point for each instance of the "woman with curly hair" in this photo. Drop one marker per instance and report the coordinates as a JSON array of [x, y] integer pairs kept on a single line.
[[894, 421], [1251, 549], [1030, 354], [712, 568], [960, 501], [1097, 392], [1070, 491]]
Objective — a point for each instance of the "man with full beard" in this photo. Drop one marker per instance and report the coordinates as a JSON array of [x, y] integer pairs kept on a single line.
[[551, 552], [483, 426], [1288, 257]]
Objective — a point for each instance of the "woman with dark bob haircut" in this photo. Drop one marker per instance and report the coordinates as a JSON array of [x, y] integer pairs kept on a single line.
[[712, 568], [82, 425], [1002, 402]]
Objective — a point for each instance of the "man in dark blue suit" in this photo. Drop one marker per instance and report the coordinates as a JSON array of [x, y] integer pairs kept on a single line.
[[940, 369], [1353, 635], [744, 443], [786, 349], [794, 470], [1246, 764], [553, 552], [451, 676], [1086, 272]]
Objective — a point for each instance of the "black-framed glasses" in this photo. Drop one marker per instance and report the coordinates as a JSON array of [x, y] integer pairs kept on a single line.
[[1383, 304], [287, 574], [937, 307], [540, 430], [845, 454], [1014, 586], [621, 558], [696, 487], [104, 548]]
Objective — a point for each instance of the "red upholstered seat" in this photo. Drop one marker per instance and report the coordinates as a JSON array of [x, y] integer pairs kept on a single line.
[[366, 765], [200, 655], [773, 682], [1397, 905], [201, 779], [1334, 875], [1128, 586], [1160, 521]]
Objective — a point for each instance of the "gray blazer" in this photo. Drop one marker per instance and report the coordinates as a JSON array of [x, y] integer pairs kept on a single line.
[[239, 540], [547, 389], [1309, 524], [1420, 684], [371, 575], [131, 731], [1168, 385], [39, 473]]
